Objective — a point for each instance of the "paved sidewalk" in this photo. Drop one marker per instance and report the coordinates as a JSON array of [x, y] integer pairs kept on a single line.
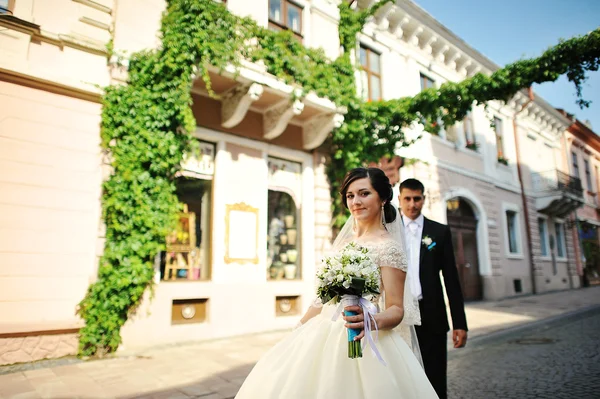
[[216, 369]]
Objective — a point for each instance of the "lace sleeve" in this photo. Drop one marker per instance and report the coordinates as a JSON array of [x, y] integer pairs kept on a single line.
[[391, 254]]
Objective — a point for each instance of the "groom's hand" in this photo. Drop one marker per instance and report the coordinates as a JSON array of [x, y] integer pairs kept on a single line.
[[459, 338]]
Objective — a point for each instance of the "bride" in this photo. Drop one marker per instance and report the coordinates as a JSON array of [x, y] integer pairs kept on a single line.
[[312, 362]]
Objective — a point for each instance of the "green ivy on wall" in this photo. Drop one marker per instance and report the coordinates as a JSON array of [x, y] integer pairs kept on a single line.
[[146, 125]]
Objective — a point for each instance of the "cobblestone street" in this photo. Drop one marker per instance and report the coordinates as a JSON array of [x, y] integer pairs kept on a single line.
[[555, 360], [491, 366]]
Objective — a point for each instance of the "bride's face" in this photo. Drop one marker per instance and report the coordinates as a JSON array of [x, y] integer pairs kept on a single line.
[[363, 201]]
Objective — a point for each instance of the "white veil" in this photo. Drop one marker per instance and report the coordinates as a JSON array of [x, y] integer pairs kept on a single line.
[[412, 314]]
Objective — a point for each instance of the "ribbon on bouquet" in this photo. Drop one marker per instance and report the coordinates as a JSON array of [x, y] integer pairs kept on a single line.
[[369, 311]]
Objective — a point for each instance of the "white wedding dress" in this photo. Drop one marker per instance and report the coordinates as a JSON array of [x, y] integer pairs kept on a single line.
[[312, 362]]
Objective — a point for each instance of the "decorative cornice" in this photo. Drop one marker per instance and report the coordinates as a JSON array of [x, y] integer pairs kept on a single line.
[[318, 127], [450, 50], [95, 23], [48, 85], [237, 101], [93, 4], [277, 118], [18, 24]]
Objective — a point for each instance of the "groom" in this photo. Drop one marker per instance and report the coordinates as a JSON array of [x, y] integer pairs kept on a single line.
[[429, 250]]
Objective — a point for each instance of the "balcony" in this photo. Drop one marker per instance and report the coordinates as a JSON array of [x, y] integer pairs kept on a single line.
[[557, 193], [249, 89]]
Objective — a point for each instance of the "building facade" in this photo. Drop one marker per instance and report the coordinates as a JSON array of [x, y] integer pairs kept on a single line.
[[257, 203], [581, 157], [53, 61], [478, 173]]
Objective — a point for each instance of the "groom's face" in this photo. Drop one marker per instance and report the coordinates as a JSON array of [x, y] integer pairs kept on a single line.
[[411, 202]]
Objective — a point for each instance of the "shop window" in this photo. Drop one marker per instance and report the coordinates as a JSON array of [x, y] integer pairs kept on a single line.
[[283, 245], [588, 235], [187, 256]]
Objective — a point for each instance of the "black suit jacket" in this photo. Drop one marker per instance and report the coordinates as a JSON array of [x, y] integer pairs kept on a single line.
[[439, 258]]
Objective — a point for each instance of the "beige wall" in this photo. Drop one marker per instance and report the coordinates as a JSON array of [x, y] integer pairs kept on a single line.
[[50, 187], [539, 153], [50, 171], [255, 9], [137, 23], [69, 47], [324, 28]]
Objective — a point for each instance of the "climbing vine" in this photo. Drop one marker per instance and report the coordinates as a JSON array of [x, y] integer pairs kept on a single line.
[[146, 124]]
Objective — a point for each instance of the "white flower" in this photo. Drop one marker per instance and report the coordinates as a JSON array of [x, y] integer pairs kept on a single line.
[[427, 240], [338, 270]]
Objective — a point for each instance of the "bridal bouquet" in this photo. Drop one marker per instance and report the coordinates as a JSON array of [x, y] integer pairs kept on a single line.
[[350, 277]]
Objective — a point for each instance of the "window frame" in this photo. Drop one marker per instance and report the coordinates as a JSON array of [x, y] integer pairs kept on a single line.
[[575, 164], [369, 72], [499, 133], [296, 195], [10, 6], [510, 207], [424, 79], [468, 122], [545, 238], [283, 24], [588, 175], [206, 233], [562, 241]]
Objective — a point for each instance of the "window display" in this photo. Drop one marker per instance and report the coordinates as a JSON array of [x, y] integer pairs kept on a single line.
[[282, 245], [283, 242], [187, 255]]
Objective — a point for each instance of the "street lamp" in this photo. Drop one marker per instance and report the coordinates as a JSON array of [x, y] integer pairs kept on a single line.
[[453, 204]]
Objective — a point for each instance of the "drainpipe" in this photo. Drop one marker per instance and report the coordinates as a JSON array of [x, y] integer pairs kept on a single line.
[[523, 196]]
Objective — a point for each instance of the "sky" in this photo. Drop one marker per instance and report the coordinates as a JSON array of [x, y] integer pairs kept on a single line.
[[508, 30]]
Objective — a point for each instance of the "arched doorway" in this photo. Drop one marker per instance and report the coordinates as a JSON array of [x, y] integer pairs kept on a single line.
[[463, 225]]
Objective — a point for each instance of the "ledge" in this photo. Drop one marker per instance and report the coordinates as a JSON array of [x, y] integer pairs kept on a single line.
[[250, 87], [61, 40], [35, 82], [13, 330], [12, 22]]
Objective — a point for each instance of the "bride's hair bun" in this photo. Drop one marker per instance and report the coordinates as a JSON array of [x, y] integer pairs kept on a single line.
[[380, 183]]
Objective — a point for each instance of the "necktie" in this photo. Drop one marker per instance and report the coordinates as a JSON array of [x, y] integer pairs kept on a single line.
[[414, 281], [413, 227]]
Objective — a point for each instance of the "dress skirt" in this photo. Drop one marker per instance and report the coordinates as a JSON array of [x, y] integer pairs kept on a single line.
[[312, 362]]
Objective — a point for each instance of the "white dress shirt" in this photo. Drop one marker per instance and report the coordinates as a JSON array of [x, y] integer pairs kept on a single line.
[[413, 230]]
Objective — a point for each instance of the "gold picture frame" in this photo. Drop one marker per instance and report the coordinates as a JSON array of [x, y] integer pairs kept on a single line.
[[241, 233]]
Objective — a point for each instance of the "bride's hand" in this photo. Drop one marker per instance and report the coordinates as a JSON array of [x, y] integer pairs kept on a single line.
[[355, 322]]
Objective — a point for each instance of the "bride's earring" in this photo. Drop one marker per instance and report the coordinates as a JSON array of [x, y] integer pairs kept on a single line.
[[383, 216]]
